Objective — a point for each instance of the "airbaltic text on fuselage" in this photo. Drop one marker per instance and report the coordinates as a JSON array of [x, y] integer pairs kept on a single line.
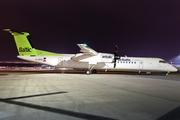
[[124, 59], [106, 56], [26, 49]]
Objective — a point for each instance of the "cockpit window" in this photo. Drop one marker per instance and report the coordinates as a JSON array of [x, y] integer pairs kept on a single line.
[[162, 61]]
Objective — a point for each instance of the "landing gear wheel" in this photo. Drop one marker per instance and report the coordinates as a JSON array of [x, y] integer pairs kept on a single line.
[[94, 71], [88, 72]]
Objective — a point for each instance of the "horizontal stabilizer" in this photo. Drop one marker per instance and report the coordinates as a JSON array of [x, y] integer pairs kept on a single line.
[[16, 32]]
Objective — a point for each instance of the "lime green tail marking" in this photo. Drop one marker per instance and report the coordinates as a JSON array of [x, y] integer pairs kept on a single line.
[[41, 52], [23, 45]]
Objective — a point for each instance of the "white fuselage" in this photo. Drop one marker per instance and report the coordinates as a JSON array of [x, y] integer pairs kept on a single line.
[[102, 61]]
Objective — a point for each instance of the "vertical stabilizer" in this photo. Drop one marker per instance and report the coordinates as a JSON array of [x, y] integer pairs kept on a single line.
[[23, 45], [171, 63]]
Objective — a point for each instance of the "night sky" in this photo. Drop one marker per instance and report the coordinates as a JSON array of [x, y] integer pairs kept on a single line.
[[140, 28]]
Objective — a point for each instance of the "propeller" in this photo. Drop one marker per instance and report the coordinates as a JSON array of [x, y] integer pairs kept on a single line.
[[116, 56]]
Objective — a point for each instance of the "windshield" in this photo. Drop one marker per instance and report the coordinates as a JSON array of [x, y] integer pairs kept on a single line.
[[162, 61]]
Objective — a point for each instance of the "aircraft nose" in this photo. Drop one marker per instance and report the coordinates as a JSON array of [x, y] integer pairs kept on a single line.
[[173, 69]]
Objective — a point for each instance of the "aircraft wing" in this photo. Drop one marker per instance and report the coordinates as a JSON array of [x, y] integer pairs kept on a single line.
[[86, 52]]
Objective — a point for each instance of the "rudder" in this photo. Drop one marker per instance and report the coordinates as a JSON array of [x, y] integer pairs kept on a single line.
[[23, 45]]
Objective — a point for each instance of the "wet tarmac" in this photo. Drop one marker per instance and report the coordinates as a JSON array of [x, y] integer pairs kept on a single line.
[[76, 96]]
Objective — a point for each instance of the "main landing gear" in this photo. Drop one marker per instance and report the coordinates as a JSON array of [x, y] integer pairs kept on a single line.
[[88, 72], [94, 71]]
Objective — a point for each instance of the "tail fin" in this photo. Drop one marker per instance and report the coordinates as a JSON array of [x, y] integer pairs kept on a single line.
[[24, 46], [171, 62]]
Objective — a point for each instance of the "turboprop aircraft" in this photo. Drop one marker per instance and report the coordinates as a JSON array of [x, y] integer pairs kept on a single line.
[[88, 58]]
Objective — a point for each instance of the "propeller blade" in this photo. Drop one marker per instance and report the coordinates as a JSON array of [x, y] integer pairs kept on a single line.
[[115, 52], [114, 63], [115, 55]]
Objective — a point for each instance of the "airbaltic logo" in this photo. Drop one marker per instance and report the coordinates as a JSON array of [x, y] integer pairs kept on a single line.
[[26, 49], [105, 56]]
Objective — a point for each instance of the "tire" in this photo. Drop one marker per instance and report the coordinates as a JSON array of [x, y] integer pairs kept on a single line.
[[88, 72], [94, 71]]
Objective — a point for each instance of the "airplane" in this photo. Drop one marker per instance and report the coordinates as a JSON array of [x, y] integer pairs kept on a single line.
[[175, 65], [88, 58], [3, 67]]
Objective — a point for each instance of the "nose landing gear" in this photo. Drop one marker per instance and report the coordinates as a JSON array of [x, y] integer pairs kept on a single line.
[[167, 73]]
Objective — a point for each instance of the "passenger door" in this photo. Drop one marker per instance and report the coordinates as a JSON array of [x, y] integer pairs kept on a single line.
[[60, 61], [140, 64]]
